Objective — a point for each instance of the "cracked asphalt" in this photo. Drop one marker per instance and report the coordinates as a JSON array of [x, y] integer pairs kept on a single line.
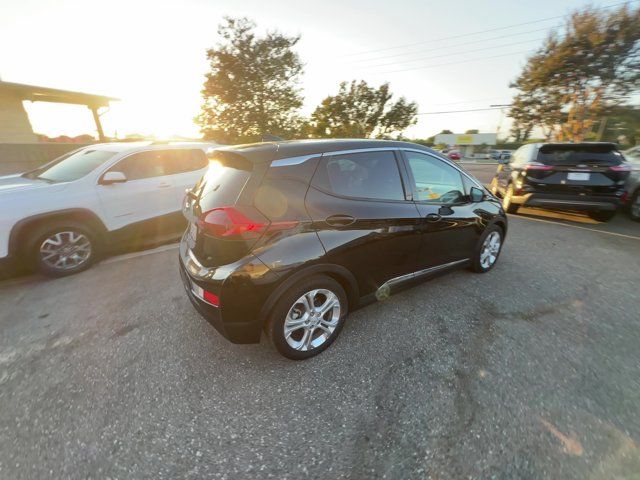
[[528, 372]]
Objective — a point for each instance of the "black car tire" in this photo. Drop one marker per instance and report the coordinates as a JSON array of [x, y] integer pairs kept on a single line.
[[476, 260], [602, 216], [288, 300], [634, 213], [41, 233], [507, 204]]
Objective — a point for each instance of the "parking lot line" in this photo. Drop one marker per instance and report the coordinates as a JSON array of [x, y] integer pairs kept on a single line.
[[576, 226]]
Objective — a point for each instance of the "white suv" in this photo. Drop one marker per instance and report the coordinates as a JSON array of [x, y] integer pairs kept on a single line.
[[60, 216]]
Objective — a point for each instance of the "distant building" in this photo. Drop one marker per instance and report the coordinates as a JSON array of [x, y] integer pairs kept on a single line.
[[467, 143], [20, 148], [14, 122]]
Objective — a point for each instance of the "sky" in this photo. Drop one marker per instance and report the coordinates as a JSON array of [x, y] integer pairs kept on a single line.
[[151, 55]]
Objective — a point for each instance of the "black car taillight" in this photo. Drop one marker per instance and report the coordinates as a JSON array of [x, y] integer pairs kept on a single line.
[[232, 223]]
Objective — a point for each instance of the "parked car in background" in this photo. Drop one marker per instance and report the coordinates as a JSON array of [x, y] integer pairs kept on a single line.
[[633, 182], [454, 155], [505, 154], [500, 154], [290, 237], [564, 176], [59, 217]]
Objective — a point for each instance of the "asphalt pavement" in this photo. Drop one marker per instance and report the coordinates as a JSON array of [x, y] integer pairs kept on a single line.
[[527, 372]]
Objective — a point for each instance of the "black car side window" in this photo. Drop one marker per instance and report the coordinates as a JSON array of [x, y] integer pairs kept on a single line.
[[372, 175], [435, 181]]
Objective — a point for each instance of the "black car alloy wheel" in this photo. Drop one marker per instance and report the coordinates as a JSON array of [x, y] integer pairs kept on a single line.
[[308, 318]]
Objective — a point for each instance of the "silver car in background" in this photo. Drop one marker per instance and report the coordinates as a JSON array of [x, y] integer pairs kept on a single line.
[[633, 182]]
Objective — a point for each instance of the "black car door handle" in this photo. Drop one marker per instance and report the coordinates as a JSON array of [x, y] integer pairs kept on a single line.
[[432, 217], [340, 220]]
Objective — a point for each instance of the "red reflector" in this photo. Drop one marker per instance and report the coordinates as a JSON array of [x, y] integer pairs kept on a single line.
[[625, 197], [230, 222], [625, 167], [211, 298]]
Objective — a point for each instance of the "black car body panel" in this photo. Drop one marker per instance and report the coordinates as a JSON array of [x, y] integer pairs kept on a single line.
[[284, 211]]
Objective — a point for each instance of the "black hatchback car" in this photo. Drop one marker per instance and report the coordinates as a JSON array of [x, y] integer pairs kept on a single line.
[[564, 176], [289, 237]]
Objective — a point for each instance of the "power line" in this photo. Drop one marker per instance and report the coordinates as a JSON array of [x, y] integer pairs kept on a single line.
[[456, 53], [482, 31], [476, 100], [461, 111], [451, 46], [456, 63]]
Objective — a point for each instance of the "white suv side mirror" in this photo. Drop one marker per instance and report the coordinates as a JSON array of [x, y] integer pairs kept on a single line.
[[110, 178]]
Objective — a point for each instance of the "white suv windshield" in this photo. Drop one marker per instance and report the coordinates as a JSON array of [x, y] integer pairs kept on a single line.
[[72, 166]]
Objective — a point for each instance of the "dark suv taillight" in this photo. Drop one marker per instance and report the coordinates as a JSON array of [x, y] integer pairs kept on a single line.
[[242, 224], [623, 167], [538, 167]]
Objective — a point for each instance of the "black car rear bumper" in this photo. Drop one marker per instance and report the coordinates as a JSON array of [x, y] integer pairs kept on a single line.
[[235, 332], [568, 202], [241, 301]]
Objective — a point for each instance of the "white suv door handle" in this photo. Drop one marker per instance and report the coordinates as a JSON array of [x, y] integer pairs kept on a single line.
[[164, 185]]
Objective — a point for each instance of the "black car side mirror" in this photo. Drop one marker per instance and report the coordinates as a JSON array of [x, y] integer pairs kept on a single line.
[[476, 195]]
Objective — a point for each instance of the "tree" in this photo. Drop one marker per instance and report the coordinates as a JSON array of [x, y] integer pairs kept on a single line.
[[473, 131], [621, 125], [361, 111], [252, 88], [574, 78]]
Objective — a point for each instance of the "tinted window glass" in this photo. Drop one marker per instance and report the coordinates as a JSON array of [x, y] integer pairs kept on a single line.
[[575, 154], [221, 185], [436, 182], [71, 166], [363, 175], [154, 163], [187, 160]]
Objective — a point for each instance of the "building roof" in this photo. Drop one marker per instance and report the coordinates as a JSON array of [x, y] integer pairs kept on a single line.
[[45, 94], [267, 151]]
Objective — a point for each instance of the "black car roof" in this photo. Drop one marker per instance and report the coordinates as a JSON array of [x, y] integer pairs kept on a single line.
[[268, 151]]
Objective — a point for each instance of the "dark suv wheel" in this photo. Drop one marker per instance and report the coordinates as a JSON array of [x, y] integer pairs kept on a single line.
[[62, 249], [634, 206], [602, 216], [308, 318]]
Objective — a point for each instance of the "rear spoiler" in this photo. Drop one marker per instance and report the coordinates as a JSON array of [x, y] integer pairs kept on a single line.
[[252, 153], [602, 147]]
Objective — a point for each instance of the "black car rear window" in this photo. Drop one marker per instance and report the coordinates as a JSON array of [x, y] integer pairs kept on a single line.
[[577, 154], [223, 182]]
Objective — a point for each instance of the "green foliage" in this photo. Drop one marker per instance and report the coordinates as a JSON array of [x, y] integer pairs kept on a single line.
[[574, 78], [252, 86], [473, 131], [361, 111], [621, 125]]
